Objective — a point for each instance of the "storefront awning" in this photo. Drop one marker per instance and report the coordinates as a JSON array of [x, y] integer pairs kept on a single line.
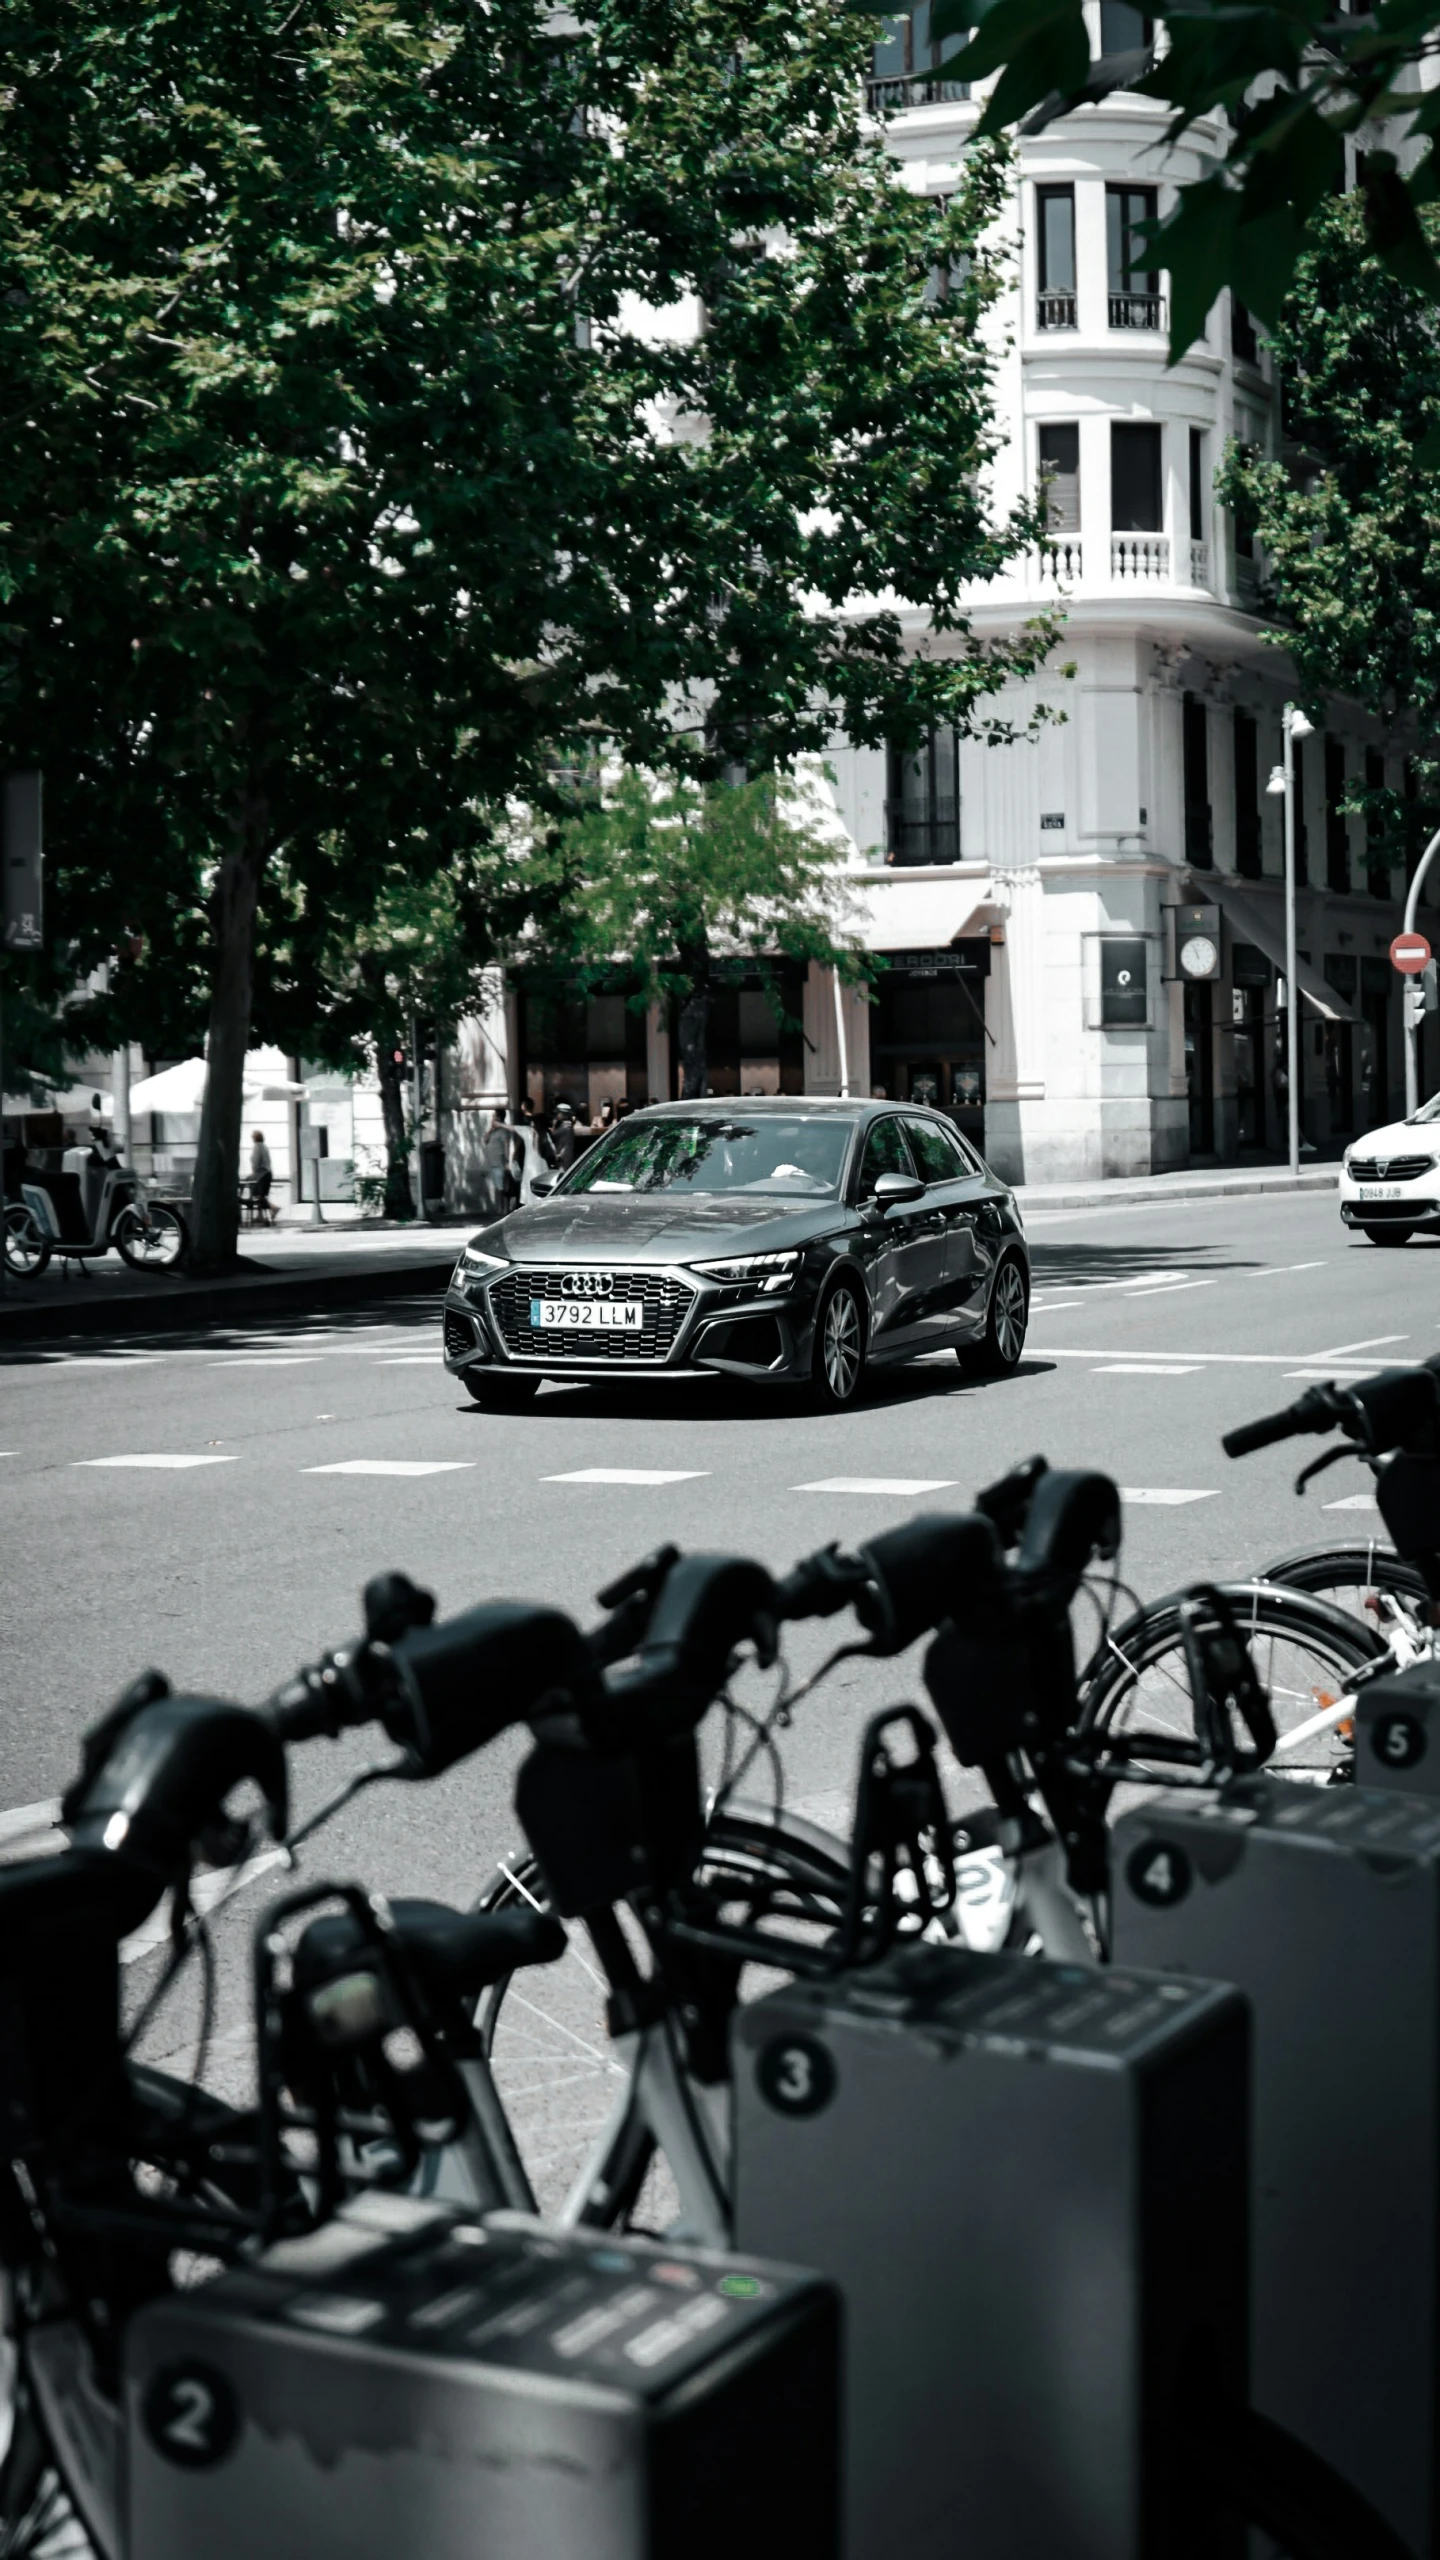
[[1251, 921], [900, 914]]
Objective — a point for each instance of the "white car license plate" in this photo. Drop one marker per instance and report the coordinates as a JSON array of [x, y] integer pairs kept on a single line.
[[587, 1315], [1381, 1191]]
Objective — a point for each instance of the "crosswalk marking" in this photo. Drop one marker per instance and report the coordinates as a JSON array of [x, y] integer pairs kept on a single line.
[[629, 1475], [392, 1467], [263, 1360], [1373, 1342], [1352, 1502], [1277, 1270], [1167, 1493], [1147, 1369], [155, 1458], [876, 1484]]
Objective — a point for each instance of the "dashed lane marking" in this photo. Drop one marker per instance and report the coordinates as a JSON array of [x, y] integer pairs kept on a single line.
[[877, 1484], [1375, 1342], [1352, 1502], [1147, 1369], [1167, 1493], [262, 1360], [153, 1458], [415, 1360], [393, 1467], [1277, 1270], [101, 1360], [1168, 1288], [1236, 1359], [629, 1475]]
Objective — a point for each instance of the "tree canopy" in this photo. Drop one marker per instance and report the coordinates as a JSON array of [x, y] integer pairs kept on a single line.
[[360, 451]]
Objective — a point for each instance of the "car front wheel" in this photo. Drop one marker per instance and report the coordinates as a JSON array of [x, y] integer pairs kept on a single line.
[[1388, 1235], [997, 1353], [838, 1364]]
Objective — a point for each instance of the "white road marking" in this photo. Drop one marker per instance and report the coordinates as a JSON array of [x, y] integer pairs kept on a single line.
[[207, 1893], [101, 1360], [152, 1459], [415, 1360], [1277, 1270], [1167, 1493], [262, 1360], [9, 1453], [629, 1475], [877, 1484], [1167, 1288], [1353, 1502], [1147, 1369], [21, 1818], [1376, 1342], [393, 1467], [1050, 1306], [1242, 1359]]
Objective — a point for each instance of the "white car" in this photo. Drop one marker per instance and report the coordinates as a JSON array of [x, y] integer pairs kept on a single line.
[[1390, 1178]]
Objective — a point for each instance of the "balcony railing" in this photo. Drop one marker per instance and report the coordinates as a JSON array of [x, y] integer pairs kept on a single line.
[[1055, 311], [1137, 310], [911, 840], [886, 97], [1139, 558], [1199, 563], [1060, 558]]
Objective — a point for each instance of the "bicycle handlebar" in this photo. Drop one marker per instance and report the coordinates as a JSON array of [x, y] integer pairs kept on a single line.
[[1317, 1410], [1393, 1409]]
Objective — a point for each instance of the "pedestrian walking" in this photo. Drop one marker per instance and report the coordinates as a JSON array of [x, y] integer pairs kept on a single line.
[[562, 1137], [262, 1174]]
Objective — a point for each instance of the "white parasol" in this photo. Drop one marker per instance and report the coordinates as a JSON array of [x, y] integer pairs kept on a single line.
[[182, 1088]]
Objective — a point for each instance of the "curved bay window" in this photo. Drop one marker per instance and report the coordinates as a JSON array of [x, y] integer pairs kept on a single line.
[[922, 801], [906, 66]]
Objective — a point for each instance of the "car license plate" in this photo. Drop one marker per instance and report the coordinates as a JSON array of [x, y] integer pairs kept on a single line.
[[1381, 1191], [587, 1315]]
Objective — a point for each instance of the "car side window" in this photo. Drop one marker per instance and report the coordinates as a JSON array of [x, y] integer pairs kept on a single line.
[[973, 1162], [885, 1152], [936, 1155]]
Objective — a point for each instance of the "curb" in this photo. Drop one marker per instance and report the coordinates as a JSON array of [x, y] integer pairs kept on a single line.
[[212, 1301], [1149, 1195]]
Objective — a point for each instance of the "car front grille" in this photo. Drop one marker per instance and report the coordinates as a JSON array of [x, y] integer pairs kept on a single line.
[[459, 1335], [666, 1302], [1388, 1168], [1372, 1213]]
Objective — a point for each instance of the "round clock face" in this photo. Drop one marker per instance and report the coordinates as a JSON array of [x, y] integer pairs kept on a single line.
[[1198, 956]]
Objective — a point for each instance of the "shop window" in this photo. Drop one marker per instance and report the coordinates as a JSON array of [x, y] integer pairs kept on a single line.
[[1377, 864], [1060, 477], [922, 808], [1252, 1015], [1247, 797], [1342, 974], [1337, 825], [1199, 846], [1136, 494], [1302, 838], [1055, 229], [754, 1043], [1200, 1068], [927, 1036]]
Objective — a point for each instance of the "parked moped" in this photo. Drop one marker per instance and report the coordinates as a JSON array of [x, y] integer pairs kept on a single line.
[[78, 1201]]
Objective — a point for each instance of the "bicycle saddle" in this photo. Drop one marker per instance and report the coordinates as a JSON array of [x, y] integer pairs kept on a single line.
[[452, 1954]]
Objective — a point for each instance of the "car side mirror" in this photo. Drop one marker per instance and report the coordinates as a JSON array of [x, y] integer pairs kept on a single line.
[[541, 1185], [892, 1190]]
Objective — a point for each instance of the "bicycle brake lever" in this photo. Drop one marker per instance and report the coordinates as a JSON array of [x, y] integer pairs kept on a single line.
[[1327, 1458]]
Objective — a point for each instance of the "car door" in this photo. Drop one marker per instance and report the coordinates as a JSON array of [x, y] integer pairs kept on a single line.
[[902, 1247], [957, 1184]]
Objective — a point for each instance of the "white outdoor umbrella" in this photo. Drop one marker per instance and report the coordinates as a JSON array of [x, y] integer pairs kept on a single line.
[[182, 1088]]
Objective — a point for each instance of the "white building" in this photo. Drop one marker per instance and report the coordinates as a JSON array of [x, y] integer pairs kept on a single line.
[[1024, 895]]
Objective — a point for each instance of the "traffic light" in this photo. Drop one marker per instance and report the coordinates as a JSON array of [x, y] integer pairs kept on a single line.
[[1422, 996]]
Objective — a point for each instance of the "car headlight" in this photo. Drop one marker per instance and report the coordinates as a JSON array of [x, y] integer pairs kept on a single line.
[[764, 1270], [472, 1259]]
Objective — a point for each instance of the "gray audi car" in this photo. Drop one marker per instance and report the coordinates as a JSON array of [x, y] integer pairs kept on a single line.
[[782, 1242]]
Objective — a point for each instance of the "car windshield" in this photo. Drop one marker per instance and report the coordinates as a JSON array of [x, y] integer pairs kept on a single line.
[[1429, 1110], [782, 1159]]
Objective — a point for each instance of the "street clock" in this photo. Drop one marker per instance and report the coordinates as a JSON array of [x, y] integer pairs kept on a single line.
[[1199, 956], [1197, 943]]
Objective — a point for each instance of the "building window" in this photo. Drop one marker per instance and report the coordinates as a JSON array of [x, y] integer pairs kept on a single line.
[[1377, 865], [1055, 241], [1060, 477], [1135, 299], [1247, 797], [1199, 847], [1123, 29], [1242, 332], [1337, 825], [1199, 488], [906, 65], [1136, 495], [922, 807]]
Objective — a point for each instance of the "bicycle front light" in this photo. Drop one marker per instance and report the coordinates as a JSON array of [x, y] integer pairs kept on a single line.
[[764, 1271]]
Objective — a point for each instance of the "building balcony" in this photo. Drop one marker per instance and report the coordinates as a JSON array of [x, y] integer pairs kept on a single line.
[[1199, 563], [1062, 559], [1055, 311], [887, 97], [921, 840], [1137, 310], [1139, 559]]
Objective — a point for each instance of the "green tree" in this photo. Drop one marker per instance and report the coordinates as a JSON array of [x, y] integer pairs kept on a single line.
[[673, 878], [1350, 520], [1294, 84], [343, 478]]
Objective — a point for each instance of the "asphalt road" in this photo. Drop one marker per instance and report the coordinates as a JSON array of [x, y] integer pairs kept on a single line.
[[239, 1549]]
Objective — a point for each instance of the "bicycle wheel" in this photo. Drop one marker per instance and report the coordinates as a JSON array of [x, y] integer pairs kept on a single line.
[[557, 2072], [1306, 1653], [1361, 1580], [1245, 2469]]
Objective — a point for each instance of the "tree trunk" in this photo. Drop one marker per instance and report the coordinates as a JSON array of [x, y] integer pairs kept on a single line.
[[399, 1202], [215, 1207], [694, 1021]]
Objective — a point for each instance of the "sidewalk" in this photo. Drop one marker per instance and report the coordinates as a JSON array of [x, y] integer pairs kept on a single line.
[[282, 1271], [1207, 1182]]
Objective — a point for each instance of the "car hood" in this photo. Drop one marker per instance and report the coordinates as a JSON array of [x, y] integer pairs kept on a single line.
[[591, 1227], [1398, 1138]]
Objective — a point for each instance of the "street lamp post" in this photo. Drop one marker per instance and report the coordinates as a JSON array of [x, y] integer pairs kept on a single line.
[[1414, 1015], [1293, 725]]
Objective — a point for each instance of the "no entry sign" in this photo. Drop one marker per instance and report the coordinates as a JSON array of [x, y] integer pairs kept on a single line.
[[1410, 952]]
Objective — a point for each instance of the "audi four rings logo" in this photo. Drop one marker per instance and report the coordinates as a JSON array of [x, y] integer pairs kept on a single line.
[[586, 1284]]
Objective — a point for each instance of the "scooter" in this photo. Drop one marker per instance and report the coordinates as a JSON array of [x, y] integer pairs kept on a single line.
[[78, 1201]]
